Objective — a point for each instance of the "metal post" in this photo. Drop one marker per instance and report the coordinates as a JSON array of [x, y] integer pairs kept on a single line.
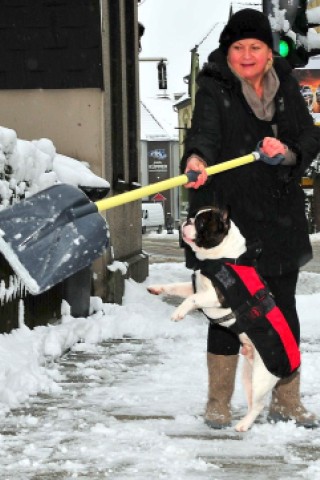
[[193, 75], [268, 8]]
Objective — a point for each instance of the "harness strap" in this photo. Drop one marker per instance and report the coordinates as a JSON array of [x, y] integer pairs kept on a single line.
[[216, 321], [193, 280], [260, 304], [257, 307]]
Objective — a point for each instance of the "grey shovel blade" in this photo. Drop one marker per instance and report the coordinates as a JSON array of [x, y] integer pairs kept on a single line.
[[52, 235]]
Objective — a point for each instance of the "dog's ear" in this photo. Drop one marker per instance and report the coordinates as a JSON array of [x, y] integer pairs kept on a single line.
[[193, 213], [226, 213]]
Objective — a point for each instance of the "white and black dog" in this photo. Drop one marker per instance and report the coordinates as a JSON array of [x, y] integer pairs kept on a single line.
[[229, 290]]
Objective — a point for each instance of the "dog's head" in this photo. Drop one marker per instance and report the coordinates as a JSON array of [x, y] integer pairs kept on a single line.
[[206, 229]]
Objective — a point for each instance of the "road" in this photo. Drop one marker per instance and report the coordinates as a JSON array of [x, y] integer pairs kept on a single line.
[[166, 249], [163, 249]]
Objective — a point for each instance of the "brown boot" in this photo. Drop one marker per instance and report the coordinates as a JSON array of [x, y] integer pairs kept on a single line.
[[286, 404], [222, 372]]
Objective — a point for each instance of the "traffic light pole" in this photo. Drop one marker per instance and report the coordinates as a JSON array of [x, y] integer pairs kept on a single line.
[[269, 10]]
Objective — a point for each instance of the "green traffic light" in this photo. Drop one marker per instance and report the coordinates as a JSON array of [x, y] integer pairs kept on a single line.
[[283, 48]]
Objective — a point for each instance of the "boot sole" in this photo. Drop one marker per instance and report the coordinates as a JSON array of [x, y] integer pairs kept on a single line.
[[277, 417], [217, 426]]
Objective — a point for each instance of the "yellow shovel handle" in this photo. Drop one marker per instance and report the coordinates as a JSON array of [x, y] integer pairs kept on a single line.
[[154, 188]]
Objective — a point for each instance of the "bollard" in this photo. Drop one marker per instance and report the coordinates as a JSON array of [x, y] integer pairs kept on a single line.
[[169, 223]]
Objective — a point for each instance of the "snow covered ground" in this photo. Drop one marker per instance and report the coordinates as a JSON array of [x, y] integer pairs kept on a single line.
[[121, 394], [126, 401]]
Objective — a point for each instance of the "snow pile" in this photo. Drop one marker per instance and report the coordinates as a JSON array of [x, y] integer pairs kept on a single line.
[[315, 237], [27, 167], [313, 39], [313, 12]]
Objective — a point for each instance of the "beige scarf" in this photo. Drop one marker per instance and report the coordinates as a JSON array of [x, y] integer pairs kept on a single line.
[[264, 107]]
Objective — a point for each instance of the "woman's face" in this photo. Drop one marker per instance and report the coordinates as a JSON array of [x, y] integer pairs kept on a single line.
[[249, 58]]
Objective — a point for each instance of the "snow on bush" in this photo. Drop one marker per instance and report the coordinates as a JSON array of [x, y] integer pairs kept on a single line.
[[27, 167]]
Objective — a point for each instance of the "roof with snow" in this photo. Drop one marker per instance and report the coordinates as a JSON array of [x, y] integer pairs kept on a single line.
[[159, 121], [185, 98]]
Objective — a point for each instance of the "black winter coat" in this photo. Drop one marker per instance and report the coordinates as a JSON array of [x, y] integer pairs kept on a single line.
[[267, 202]]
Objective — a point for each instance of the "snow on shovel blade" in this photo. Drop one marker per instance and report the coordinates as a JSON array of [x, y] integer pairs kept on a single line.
[[51, 235]]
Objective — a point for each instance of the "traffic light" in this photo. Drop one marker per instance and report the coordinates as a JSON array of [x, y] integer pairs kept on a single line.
[[289, 26], [296, 29], [284, 47], [294, 53]]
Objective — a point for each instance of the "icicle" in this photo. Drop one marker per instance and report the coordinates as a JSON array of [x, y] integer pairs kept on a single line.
[[15, 288], [21, 314], [2, 291], [23, 289], [9, 290], [65, 308]]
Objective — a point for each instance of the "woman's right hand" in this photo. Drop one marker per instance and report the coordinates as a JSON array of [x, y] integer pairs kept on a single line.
[[196, 164]]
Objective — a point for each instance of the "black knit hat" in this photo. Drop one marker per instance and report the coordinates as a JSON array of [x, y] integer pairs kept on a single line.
[[246, 23]]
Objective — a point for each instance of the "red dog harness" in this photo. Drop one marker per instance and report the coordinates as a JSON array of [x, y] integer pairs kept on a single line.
[[256, 313]]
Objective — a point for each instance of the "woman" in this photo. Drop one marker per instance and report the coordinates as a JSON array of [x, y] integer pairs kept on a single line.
[[248, 100]]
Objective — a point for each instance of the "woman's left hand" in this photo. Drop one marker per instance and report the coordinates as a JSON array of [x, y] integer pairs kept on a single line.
[[272, 146], [271, 150]]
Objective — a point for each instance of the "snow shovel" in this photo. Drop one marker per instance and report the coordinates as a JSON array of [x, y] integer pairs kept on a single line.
[[58, 231]]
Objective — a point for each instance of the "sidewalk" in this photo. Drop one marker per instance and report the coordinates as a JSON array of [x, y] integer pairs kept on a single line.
[[124, 410], [89, 410], [314, 264]]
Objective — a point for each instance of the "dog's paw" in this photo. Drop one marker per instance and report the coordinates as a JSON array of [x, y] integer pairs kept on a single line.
[[180, 312], [155, 289], [242, 426], [177, 316]]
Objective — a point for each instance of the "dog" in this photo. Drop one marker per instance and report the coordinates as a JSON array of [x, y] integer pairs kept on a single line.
[[245, 305]]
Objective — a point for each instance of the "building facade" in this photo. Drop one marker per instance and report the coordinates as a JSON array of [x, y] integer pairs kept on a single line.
[[69, 72]]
